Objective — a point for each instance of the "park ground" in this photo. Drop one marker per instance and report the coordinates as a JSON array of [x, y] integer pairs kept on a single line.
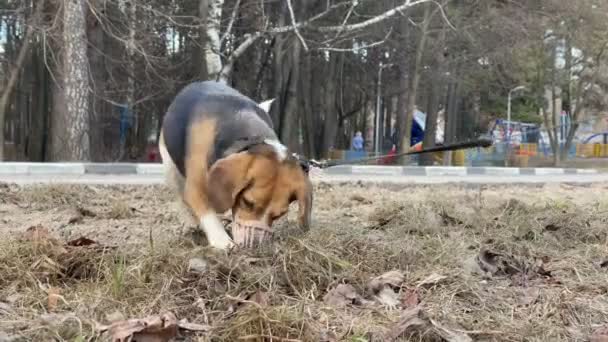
[[380, 263]]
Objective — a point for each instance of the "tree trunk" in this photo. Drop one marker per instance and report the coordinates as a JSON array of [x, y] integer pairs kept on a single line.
[[289, 128], [308, 117], [97, 59], [567, 101], [388, 118], [71, 130], [554, 111], [212, 14], [330, 126], [416, 70], [15, 70], [435, 87], [431, 119]]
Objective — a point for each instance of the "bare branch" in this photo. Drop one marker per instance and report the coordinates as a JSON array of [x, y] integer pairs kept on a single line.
[[235, 12], [354, 49], [295, 28], [377, 19]]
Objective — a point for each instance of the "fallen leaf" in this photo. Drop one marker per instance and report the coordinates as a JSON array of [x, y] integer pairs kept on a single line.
[[410, 299], [76, 217], [37, 233], [54, 293], [86, 212], [600, 334], [450, 335], [160, 328], [433, 279], [4, 337], [259, 297], [449, 220], [393, 279], [81, 242], [529, 295], [197, 265], [5, 308], [360, 199], [552, 227], [40, 236], [185, 325], [328, 336], [497, 263], [115, 317], [342, 295], [409, 320], [388, 298]]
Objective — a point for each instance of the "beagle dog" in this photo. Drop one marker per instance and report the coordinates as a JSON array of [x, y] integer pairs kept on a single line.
[[220, 153]]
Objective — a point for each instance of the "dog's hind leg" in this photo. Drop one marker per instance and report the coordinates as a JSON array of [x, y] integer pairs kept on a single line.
[[176, 184]]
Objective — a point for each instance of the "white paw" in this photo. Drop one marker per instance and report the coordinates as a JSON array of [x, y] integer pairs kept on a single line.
[[216, 234]]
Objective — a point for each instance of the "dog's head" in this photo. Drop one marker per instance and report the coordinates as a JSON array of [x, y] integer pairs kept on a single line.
[[259, 184]]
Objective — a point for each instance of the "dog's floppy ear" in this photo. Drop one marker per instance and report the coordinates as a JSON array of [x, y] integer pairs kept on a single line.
[[266, 105], [226, 179]]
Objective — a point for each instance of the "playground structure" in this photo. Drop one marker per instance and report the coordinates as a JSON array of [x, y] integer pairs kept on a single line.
[[527, 145]]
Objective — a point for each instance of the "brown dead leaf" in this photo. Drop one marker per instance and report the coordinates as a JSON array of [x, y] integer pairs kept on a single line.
[[529, 296], [392, 279], [415, 319], [259, 297], [410, 299], [328, 336], [185, 325], [81, 242], [432, 279], [40, 237], [409, 321], [449, 220], [600, 334], [388, 298], [54, 294], [497, 263], [360, 199], [86, 212], [5, 308], [160, 328], [342, 295], [450, 335], [76, 217]]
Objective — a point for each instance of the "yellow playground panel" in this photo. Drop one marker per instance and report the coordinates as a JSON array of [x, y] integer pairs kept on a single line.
[[592, 150]]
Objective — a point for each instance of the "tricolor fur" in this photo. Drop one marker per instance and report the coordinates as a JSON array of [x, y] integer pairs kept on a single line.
[[221, 153]]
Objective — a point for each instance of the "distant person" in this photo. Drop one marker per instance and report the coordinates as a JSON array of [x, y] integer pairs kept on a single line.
[[357, 143]]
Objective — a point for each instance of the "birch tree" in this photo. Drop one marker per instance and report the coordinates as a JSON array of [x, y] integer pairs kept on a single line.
[[70, 128]]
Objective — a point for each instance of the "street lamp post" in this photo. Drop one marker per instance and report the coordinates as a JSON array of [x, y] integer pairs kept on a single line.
[[518, 88]]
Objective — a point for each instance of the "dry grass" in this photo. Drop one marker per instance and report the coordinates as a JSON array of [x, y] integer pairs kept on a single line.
[[276, 293]]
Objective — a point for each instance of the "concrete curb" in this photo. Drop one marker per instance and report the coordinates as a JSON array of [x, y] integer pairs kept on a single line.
[[24, 168], [450, 171]]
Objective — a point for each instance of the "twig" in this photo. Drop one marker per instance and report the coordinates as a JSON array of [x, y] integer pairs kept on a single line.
[[235, 11], [354, 49], [272, 338], [288, 279], [379, 18], [445, 17], [350, 12], [295, 28]]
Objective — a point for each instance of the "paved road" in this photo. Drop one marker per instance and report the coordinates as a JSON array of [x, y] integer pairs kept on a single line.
[[405, 179]]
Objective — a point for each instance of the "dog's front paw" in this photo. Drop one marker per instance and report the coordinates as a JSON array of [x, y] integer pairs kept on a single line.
[[224, 243], [215, 232]]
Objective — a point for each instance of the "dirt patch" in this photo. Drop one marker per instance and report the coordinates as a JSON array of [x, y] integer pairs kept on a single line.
[[430, 263]]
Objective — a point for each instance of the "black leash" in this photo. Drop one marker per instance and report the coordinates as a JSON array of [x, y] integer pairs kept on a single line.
[[307, 163]]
